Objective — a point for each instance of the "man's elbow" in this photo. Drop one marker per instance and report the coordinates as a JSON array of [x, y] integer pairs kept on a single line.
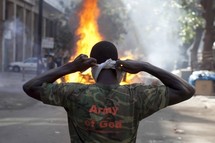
[[190, 92], [31, 91], [29, 88], [193, 91], [26, 88]]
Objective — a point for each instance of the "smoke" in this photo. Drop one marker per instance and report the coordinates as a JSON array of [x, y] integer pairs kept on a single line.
[[13, 28], [152, 31]]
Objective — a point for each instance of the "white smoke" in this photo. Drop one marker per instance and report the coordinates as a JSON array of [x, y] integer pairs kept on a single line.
[[13, 27], [154, 28]]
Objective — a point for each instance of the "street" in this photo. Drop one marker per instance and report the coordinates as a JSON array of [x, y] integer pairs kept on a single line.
[[25, 120]]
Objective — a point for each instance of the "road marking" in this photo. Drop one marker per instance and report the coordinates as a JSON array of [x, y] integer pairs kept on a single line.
[[33, 121]]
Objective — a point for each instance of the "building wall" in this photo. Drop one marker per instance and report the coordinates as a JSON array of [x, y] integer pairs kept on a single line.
[[19, 29], [1, 29], [9, 41]]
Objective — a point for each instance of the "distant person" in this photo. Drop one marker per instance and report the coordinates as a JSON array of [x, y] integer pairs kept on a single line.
[[107, 112], [58, 61], [41, 66], [66, 56], [51, 63]]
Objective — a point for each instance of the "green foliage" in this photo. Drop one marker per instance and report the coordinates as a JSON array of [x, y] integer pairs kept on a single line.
[[64, 37], [189, 17], [189, 24], [113, 18], [191, 20], [67, 23]]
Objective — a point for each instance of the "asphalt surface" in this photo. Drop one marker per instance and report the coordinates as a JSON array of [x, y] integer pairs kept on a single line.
[[24, 120]]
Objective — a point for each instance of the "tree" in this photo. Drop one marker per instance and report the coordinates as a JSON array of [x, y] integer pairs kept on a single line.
[[198, 25], [113, 18], [209, 15], [192, 24], [65, 38]]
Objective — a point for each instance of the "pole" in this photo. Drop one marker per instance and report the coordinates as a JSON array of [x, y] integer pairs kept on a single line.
[[40, 29], [4, 56]]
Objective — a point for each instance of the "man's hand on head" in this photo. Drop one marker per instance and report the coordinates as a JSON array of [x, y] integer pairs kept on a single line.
[[83, 62], [130, 66]]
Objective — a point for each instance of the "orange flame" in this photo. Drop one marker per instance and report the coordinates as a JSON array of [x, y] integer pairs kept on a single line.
[[88, 32], [89, 35], [129, 77]]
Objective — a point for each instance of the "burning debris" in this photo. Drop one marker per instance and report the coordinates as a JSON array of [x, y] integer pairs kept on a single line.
[[88, 33]]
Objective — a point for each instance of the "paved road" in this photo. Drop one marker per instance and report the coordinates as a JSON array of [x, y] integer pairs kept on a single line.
[[24, 120], [189, 122]]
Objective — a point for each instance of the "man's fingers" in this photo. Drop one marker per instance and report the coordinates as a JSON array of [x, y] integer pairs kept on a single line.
[[94, 64], [84, 57], [91, 62], [119, 64]]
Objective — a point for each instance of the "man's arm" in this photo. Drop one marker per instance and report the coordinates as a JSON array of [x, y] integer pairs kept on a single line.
[[178, 89], [81, 63]]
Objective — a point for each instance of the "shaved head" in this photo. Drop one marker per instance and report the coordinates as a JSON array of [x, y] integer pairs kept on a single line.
[[104, 50]]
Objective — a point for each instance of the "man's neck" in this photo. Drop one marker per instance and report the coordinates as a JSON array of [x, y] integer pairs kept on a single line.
[[107, 77]]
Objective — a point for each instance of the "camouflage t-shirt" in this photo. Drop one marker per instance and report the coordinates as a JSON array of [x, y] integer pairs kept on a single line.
[[105, 114]]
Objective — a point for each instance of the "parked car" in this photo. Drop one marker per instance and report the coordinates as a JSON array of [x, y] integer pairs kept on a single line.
[[29, 64]]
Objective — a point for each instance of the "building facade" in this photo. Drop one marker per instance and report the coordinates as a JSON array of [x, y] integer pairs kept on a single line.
[[19, 29]]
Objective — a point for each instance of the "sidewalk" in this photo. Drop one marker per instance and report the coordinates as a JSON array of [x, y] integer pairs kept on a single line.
[[13, 79], [12, 95]]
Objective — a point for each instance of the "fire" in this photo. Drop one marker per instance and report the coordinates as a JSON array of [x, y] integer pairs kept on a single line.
[[88, 33], [129, 77]]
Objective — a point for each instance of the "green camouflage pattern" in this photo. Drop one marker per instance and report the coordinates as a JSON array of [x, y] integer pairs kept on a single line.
[[105, 114]]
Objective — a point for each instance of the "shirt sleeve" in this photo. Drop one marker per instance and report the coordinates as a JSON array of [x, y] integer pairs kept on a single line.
[[57, 94], [151, 99]]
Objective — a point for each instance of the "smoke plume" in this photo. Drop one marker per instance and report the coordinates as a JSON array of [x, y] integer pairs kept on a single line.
[[152, 34]]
